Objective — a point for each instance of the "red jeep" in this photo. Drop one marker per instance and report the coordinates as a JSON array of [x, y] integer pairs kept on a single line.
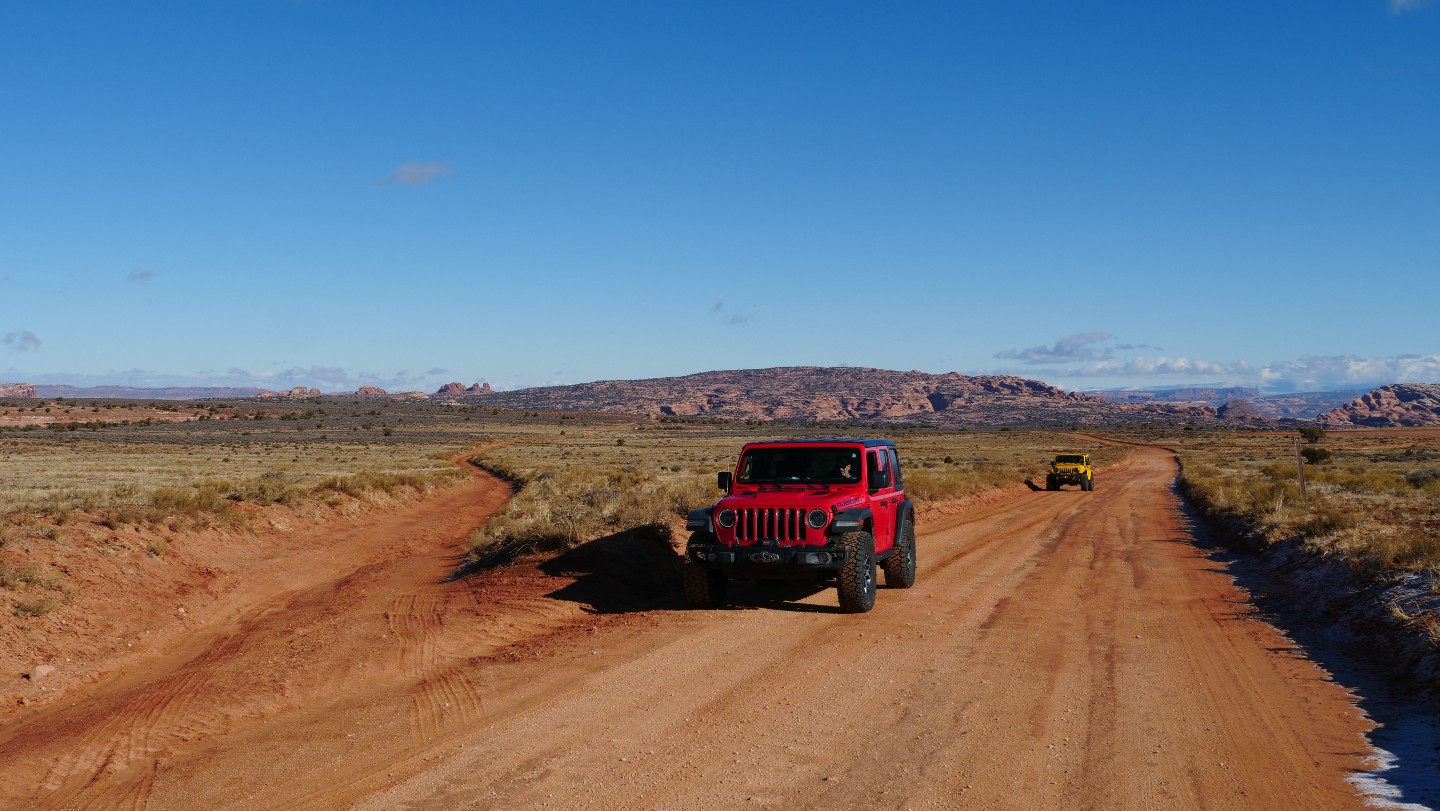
[[805, 509]]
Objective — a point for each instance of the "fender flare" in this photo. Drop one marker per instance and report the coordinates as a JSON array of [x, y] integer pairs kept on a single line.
[[852, 520], [699, 520]]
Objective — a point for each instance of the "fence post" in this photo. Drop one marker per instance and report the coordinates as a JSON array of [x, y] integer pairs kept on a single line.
[[1300, 467]]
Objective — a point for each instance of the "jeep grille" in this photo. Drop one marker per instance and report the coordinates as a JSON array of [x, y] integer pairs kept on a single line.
[[770, 524]]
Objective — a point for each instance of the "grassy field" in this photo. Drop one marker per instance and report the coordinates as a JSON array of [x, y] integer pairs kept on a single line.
[[1375, 499], [1372, 497], [579, 476], [585, 481]]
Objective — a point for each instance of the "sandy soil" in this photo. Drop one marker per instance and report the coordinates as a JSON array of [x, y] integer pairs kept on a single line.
[[1060, 651]]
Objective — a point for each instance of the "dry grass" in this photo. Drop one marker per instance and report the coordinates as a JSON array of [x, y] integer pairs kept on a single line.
[[589, 480], [1374, 501]]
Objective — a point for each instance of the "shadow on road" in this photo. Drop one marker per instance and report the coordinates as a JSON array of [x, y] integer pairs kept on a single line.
[[635, 570], [1407, 718]]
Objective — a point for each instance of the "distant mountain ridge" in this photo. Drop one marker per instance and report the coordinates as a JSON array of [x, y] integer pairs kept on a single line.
[[137, 393], [833, 394]]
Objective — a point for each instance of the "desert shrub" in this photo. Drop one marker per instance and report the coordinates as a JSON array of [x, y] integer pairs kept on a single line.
[[37, 606], [1315, 456], [558, 510], [270, 488], [361, 484], [198, 502], [23, 574], [1311, 434], [1422, 479], [957, 481]]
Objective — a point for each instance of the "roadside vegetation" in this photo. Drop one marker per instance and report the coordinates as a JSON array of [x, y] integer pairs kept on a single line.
[[1372, 497], [591, 479], [133, 487]]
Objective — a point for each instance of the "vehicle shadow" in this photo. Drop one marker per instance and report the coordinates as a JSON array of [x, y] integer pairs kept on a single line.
[[779, 595], [1407, 717], [634, 570]]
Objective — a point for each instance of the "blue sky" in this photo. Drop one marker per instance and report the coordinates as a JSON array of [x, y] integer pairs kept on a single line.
[[1101, 194]]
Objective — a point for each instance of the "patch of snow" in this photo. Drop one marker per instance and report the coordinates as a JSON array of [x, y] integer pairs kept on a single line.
[[1376, 790], [1373, 634]]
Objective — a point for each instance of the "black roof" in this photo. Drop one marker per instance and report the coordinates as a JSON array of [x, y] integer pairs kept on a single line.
[[869, 443]]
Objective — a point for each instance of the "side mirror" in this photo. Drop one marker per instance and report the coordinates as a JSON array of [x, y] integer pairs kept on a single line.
[[723, 480], [879, 480]]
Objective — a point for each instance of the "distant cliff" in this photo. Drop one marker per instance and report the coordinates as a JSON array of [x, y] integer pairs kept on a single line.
[[17, 391], [136, 393], [1394, 406]]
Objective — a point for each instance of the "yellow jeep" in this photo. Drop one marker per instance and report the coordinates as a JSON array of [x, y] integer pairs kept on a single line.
[[1071, 468]]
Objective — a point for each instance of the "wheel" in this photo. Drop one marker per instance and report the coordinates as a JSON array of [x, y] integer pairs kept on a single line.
[[704, 588], [1092, 484], [857, 577], [1087, 484], [900, 566]]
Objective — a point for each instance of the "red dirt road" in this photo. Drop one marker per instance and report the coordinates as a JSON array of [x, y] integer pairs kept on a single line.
[[1060, 651]]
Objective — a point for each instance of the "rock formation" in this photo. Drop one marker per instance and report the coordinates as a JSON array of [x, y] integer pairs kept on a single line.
[[1241, 411], [846, 394], [480, 389], [18, 391], [1395, 406], [299, 392], [371, 391], [452, 388]]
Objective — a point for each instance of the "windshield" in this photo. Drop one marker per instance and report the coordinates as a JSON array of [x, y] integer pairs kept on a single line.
[[823, 465], [1071, 459]]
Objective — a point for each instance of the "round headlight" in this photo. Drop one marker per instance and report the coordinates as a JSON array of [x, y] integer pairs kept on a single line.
[[726, 518], [817, 518]]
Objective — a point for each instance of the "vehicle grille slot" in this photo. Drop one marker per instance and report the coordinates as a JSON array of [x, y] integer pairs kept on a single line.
[[770, 525]]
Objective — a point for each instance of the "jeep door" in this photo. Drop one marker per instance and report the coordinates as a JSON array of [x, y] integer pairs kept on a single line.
[[883, 500]]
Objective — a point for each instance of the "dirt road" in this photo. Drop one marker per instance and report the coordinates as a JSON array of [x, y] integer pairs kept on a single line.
[[1060, 651]]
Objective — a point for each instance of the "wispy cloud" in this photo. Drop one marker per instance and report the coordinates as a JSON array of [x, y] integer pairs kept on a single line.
[[1306, 373], [1161, 367], [1398, 7], [1070, 349], [139, 276], [1324, 372], [21, 340], [417, 173], [728, 318]]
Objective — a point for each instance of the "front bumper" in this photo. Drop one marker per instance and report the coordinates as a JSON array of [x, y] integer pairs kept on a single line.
[[766, 560]]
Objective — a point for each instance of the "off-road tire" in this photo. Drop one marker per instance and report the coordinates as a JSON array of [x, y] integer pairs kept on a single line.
[[1087, 484], [856, 582], [704, 587], [900, 566]]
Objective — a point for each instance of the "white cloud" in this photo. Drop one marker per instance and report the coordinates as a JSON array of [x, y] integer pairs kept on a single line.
[[21, 340], [1403, 6], [1071, 348], [417, 173], [1306, 373], [1325, 372], [1158, 367]]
